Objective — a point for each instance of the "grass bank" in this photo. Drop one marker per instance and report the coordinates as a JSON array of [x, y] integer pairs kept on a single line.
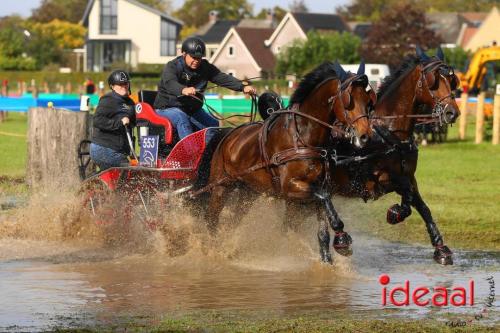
[[460, 183], [13, 132], [236, 321]]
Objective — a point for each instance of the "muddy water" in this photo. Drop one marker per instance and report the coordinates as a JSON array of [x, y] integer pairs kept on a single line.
[[50, 279]]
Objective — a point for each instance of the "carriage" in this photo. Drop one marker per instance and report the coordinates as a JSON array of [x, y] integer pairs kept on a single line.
[[171, 168]]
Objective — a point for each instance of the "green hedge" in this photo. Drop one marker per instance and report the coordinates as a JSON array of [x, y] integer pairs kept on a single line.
[[77, 80]]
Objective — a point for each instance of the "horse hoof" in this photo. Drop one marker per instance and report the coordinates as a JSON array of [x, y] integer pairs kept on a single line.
[[397, 214], [342, 244], [443, 255], [327, 259]]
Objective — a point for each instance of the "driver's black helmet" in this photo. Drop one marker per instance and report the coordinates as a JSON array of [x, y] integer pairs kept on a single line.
[[118, 77], [194, 46]]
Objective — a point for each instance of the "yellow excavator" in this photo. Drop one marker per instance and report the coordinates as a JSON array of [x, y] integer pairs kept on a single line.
[[471, 81]]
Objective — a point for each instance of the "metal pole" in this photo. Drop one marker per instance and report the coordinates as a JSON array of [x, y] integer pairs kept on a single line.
[[132, 149], [496, 120], [480, 117], [463, 116]]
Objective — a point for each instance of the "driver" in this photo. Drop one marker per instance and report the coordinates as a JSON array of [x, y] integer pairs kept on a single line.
[[186, 75]]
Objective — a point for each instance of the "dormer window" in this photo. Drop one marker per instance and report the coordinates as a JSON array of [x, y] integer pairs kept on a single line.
[[109, 20]]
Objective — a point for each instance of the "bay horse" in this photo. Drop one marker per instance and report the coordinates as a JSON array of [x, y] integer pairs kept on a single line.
[[390, 165], [285, 155]]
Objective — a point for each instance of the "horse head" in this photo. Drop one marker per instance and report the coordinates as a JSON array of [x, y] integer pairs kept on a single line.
[[358, 98], [441, 80]]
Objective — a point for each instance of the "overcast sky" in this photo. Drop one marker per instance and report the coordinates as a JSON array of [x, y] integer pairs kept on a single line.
[[23, 7]]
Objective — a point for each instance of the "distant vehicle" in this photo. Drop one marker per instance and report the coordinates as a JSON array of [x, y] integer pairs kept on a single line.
[[473, 79], [375, 72]]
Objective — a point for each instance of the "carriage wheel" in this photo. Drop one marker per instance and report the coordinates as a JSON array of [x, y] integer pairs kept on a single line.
[[98, 202]]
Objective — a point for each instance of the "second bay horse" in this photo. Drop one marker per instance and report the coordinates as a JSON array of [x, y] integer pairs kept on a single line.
[[390, 165]]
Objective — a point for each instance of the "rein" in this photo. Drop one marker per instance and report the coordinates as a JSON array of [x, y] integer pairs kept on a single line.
[[219, 117]]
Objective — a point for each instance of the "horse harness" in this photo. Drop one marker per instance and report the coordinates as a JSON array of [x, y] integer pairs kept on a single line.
[[300, 150]]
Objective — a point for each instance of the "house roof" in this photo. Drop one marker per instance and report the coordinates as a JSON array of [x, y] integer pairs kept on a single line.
[[446, 25], [217, 30], [90, 4], [214, 32], [255, 23], [310, 21], [467, 35], [360, 29], [474, 17], [253, 38]]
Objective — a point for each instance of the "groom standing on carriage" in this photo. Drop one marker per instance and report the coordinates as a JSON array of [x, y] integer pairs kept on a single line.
[[182, 83]]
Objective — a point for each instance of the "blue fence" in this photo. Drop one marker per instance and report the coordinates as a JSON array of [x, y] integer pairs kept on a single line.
[[22, 104]]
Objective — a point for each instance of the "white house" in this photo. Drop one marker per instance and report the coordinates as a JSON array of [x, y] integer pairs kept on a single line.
[[295, 26], [127, 31], [243, 54]]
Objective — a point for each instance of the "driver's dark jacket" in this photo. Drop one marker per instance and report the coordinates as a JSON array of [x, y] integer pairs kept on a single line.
[[177, 75], [108, 130]]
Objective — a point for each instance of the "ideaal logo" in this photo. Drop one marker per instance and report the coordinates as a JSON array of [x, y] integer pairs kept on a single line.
[[423, 296], [439, 296]]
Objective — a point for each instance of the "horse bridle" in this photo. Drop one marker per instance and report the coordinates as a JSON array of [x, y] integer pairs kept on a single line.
[[438, 111], [437, 114], [348, 130]]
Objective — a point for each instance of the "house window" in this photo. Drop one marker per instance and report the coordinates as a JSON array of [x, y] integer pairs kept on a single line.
[[109, 21], [168, 38], [230, 51]]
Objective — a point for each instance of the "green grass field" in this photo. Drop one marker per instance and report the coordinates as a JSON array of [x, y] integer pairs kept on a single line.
[[13, 142], [460, 182]]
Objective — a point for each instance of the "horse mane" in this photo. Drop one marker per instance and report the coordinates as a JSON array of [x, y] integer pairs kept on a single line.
[[389, 83], [311, 81]]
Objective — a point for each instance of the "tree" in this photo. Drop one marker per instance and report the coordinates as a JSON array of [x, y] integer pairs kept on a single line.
[[298, 6], [162, 5], [456, 57], [302, 56], [31, 45], [65, 34], [72, 10], [13, 45], [364, 10], [371, 10], [394, 35], [65, 10], [187, 31], [195, 13], [277, 11], [458, 5]]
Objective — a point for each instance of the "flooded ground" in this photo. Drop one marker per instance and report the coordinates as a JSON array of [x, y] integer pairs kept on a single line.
[[47, 280]]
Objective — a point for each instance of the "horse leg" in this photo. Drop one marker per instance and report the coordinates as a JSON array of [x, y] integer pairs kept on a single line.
[[398, 213], [442, 253], [294, 213], [323, 235], [246, 198], [342, 240], [215, 205]]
